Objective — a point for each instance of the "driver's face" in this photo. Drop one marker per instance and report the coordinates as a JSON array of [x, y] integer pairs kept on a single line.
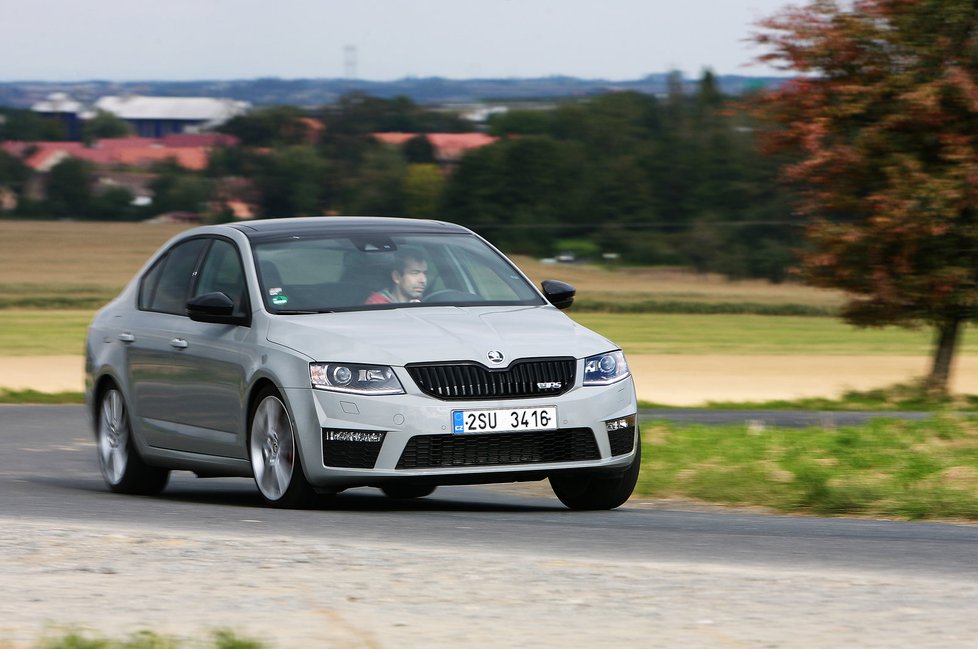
[[411, 282]]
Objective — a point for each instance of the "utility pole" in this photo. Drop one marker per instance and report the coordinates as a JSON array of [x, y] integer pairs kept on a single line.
[[350, 62]]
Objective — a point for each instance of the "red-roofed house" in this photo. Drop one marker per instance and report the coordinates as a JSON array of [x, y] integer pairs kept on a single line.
[[448, 147], [188, 151]]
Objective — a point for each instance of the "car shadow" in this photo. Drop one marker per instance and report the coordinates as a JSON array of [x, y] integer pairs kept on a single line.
[[231, 492]]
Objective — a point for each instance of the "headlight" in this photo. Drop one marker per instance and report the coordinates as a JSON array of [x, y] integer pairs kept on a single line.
[[605, 368], [354, 378]]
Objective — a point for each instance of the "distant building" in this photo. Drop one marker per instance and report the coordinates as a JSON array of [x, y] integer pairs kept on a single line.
[[61, 107], [159, 116], [448, 147], [187, 150]]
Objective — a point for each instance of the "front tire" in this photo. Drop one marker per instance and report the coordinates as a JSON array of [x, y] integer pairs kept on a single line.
[[584, 491], [123, 470], [275, 461]]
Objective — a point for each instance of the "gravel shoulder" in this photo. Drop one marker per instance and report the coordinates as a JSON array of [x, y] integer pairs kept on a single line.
[[296, 592]]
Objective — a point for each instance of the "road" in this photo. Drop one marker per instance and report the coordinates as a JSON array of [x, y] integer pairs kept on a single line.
[[488, 566]]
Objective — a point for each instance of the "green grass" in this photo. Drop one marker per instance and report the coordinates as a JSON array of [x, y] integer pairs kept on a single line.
[[703, 307], [52, 332], [886, 468], [220, 639], [756, 334], [55, 296], [41, 332], [35, 397]]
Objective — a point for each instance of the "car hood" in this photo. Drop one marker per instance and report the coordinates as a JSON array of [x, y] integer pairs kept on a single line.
[[430, 334]]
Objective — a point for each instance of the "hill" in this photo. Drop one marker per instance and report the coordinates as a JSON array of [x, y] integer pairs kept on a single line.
[[318, 92]]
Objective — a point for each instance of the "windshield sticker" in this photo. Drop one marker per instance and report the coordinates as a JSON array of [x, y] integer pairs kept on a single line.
[[274, 291], [280, 300]]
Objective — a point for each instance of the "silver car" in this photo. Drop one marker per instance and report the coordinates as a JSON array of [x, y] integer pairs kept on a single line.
[[319, 354]]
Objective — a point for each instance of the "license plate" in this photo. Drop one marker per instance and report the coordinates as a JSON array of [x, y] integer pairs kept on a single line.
[[503, 420]]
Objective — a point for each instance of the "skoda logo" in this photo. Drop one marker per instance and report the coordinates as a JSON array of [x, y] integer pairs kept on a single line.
[[495, 356]]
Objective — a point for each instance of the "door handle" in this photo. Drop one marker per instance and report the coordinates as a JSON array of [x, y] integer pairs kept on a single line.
[[127, 337], [179, 343]]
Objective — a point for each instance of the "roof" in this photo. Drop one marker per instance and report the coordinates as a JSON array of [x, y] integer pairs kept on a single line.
[[197, 109], [447, 146], [334, 225], [131, 151], [57, 102]]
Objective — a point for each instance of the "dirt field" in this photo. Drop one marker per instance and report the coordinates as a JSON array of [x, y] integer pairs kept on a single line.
[[672, 380]]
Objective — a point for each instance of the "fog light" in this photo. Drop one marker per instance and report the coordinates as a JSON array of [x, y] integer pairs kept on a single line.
[[367, 436], [618, 424]]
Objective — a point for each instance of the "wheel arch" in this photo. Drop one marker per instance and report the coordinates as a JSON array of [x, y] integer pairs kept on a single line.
[[101, 384]]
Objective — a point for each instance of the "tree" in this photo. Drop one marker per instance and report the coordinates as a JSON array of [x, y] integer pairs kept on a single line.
[[291, 181], [27, 126], [176, 189], [884, 114], [423, 186], [105, 125], [271, 126], [69, 188]]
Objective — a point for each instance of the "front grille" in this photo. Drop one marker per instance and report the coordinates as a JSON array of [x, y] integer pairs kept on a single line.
[[622, 440], [531, 377], [350, 455], [537, 447]]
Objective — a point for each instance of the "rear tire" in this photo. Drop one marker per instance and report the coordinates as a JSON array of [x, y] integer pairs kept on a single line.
[[584, 491], [123, 470], [407, 491], [275, 461]]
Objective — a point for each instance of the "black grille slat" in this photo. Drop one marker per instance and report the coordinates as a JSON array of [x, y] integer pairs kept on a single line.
[[499, 449], [467, 380]]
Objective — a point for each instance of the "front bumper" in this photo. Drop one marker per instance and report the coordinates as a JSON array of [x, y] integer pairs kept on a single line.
[[349, 440]]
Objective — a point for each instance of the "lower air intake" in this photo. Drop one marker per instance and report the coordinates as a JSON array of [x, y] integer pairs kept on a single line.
[[538, 447], [622, 440]]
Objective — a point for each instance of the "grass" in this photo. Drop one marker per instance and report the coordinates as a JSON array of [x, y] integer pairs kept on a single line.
[[72, 265], [81, 265], [886, 468], [34, 397], [46, 332], [900, 397], [31, 332], [754, 334], [220, 639]]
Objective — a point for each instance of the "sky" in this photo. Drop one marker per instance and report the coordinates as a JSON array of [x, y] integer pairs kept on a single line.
[[381, 40]]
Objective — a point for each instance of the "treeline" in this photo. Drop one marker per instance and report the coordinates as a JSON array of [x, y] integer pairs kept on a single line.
[[672, 180]]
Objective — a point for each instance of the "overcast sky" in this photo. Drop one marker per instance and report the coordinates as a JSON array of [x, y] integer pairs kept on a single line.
[[70, 40]]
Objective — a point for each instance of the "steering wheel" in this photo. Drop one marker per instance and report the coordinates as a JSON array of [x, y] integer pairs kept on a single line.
[[450, 295]]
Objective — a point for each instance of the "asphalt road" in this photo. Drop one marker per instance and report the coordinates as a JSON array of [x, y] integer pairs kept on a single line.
[[48, 471], [500, 566]]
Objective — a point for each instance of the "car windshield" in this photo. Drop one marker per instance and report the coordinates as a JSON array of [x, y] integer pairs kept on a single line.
[[315, 274]]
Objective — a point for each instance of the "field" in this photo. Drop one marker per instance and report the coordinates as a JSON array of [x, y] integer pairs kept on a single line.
[[54, 274]]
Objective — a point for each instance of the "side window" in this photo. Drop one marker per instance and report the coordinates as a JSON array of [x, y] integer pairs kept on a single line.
[[222, 272], [167, 284], [147, 286]]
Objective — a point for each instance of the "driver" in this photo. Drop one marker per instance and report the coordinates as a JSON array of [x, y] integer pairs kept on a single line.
[[409, 278]]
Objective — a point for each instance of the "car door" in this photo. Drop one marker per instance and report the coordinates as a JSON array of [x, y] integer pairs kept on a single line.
[[149, 337], [209, 361], [187, 377]]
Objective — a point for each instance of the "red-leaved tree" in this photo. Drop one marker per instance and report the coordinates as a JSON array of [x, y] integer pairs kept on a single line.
[[882, 117]]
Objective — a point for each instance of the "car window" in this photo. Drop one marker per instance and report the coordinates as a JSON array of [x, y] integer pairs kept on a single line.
[[368, 271], [166, 286], [222, 272]]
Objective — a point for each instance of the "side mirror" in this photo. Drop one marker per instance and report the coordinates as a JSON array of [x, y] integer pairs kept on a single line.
[[560, 294], [216, 308]]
